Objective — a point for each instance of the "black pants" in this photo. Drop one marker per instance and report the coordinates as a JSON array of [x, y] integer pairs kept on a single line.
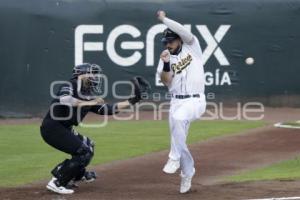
[[61, 138], [66, 140]]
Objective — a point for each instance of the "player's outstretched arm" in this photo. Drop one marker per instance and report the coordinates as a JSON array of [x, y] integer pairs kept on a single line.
[[110, 109], [185, 35], [70, 100], [123, 105]]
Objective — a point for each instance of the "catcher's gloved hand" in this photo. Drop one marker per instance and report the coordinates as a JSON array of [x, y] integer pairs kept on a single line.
[[141, 86]]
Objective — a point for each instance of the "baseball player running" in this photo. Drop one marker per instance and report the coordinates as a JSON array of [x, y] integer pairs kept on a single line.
[[180, 69], [72, 103]]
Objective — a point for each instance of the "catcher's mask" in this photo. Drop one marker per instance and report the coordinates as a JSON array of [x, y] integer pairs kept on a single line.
[[91, 81]]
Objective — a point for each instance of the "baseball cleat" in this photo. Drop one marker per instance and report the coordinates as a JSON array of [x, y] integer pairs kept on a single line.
[[54, 186], [171, 166], [186, 183]]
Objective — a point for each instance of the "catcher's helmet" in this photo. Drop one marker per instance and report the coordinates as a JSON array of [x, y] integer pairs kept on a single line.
[[93, 82], [169, 36], [86, 68]]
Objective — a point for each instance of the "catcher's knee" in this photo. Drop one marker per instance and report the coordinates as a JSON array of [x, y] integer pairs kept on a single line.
[[86, 141], [84, 154]]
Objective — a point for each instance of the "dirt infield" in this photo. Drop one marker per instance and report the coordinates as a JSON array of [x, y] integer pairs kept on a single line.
[[142, 178]]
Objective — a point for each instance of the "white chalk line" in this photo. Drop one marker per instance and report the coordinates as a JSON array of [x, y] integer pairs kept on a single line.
[[281, 125], [281, 198]]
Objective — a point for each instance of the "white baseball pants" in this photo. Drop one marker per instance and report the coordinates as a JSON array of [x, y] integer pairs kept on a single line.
[[182, 113]]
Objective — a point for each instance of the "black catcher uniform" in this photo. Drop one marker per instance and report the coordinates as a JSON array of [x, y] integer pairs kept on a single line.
[[67, 110], [57, 126]]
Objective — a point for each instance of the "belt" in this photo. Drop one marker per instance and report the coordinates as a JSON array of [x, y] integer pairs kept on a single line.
[[186, 96]]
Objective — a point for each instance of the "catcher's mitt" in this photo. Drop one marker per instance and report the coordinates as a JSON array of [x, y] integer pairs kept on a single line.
[[141, 87]]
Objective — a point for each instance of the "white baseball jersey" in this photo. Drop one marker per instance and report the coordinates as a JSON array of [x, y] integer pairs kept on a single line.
[[188, 70]]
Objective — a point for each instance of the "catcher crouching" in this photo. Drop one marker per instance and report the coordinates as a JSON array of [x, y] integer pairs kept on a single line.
[[72, 103]]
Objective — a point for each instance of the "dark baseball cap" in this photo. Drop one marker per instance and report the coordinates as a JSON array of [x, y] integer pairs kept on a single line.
[[169, 36]]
